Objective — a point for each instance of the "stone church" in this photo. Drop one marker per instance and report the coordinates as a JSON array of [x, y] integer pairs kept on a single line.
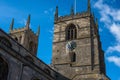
[[77, 51]]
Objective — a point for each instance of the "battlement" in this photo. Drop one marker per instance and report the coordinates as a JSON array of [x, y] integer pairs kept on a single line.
[[24, 28], [75, 16], [72, 15], [25, 36], [17, 30]]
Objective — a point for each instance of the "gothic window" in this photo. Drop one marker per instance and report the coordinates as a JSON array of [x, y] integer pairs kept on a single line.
[[71, 32], [5, 42], [3, 69], [20, 38], [73, 57], [31, 48], [16, 39]]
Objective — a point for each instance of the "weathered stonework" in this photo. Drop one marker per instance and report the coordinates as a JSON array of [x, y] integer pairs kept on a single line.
[[21, 63], [26, 37], [89, 57], [77, 51]]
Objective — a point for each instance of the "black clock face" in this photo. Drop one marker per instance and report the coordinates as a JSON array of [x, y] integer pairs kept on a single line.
[[71, 45]]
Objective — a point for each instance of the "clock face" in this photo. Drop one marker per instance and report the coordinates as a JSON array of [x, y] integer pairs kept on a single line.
[[71, 45]]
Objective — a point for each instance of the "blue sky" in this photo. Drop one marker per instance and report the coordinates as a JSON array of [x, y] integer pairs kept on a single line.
[[42, 13]]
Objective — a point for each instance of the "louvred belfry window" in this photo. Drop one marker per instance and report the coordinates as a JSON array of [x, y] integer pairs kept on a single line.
[[71, 32]]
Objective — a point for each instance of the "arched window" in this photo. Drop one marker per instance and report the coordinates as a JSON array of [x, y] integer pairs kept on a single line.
[[20, 39], [5, 41], [73, 57], [71, 32], [16, 39], [31, 46], [3, 69]]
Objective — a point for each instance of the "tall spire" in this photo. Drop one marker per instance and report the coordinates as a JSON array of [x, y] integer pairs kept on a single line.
[[38, 31], [12, 25], [28, 22], [89, 7], [56, 13], [72, 10]]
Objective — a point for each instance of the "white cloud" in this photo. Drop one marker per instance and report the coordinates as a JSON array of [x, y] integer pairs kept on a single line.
[[115, 30], [111, 19], [115, 14], [108, 14], [105, 18], [113, 48], [115, 60]]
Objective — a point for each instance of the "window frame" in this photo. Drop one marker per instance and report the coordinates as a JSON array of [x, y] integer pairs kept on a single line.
[[71, 32]]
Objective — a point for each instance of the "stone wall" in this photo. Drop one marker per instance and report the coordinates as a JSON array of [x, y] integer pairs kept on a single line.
[[89, 56], [21, 64]]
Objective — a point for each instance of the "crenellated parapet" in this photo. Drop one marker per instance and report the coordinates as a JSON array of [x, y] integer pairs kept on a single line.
[[70, 17], [25, 36], [24, 28]]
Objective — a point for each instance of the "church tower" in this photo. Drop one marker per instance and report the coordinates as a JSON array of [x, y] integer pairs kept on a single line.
[[77, 50], [25, 36]]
